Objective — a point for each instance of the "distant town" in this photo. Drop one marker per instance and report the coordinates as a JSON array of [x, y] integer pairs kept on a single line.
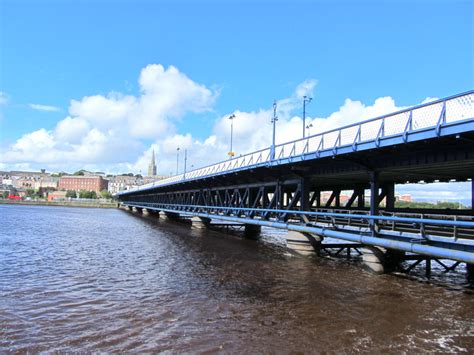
[[33, 185]]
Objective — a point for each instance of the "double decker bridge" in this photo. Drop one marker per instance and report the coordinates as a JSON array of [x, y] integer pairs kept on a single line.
[[297, 186]]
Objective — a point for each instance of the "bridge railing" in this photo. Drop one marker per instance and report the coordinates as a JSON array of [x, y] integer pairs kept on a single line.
[[430, 115], [423, 223]]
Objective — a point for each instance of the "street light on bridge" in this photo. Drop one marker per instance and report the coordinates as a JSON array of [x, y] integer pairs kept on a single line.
[[306, 100], [177, 160], [308, 127], [185, 161], [274, 120], [231, 152]]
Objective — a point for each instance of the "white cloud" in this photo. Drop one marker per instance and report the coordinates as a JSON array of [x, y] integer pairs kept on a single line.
[[166, 95], [71, 130], [46, 108], [429, 99], [108, 132], [439, 191], [103, 111]]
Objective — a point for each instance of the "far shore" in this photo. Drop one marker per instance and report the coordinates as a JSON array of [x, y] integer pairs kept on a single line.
[[68, 203]]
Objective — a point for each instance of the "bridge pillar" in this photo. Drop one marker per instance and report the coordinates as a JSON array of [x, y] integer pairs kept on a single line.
[[303, 243], [374, 199], [200, 222], [361, 197], [304, 188], [252, 231], [379, 260], [390, 196], [171, 216], [130, 208], [470, 272], [374, 193], [150, 212], [156, 213], [138, 209]]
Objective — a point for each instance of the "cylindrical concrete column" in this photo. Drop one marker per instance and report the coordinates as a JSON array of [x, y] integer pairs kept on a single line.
[[153, 212], [470, 272], [200, 222], [303, 243], [171, 216], [374, 259], [252, 231], [380, 260]]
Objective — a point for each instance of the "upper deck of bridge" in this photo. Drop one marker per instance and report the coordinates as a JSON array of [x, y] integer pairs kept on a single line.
[[443, 127]]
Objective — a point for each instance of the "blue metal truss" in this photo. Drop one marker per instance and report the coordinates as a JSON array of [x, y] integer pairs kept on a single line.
[[286, 198]]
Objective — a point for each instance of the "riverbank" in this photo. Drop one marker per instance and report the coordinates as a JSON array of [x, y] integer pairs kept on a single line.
[[72, 203]]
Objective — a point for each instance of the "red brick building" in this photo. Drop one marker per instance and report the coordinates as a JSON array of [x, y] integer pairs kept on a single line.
[[88, 183]]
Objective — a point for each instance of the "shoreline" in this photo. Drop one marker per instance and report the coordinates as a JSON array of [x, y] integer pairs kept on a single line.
[[86, 204]]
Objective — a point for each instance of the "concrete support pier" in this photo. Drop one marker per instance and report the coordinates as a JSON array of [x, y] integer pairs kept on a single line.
[[154, 213], [170, 216], [252, 231], [303, 243], [200, 222], [470, 272], [379, 260], [137, 210]]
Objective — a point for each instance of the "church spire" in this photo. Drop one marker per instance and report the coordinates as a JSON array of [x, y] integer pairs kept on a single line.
[[152, 165]]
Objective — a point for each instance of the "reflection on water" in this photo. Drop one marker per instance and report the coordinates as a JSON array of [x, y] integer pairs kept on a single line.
[[88, 279]]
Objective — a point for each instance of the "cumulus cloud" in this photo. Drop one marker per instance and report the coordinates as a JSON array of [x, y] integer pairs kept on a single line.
[[107, 130], [71, 130], [46, 108], [117, 132], [439, 191], [166, 95]]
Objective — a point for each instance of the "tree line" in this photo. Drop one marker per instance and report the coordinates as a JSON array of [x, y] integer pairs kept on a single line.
[[88, 194]]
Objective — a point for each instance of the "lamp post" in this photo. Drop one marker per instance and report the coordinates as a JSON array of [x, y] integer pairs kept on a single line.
[[308, 127], [185, 161], [274, 120], [231, 118], [306, 99], [177, 160]]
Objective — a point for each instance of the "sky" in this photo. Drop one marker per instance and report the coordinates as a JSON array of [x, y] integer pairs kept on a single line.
[[99, 84]]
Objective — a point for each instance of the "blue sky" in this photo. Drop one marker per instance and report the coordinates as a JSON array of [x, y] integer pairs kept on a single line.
[[54, 51], [70, 71]]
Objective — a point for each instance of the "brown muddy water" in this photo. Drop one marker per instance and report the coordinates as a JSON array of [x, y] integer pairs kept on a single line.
[[74, 279]]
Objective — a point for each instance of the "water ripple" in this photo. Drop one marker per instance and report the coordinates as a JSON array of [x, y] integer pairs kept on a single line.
[[105, 280]]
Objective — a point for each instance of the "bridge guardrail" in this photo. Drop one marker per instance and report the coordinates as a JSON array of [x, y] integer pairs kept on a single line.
[[431, 115], [243, 210]]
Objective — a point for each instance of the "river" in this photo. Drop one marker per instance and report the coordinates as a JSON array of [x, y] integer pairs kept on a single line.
[[78, 279]]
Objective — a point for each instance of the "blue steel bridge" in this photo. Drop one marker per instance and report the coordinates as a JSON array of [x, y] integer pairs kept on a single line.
[[297, 186]]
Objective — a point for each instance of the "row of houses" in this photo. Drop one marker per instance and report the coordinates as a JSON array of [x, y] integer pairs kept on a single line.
[[24, 180]]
